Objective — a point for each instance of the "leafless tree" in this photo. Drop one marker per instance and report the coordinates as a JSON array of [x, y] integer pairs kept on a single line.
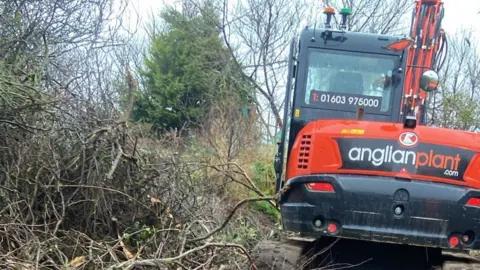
[[59, 34], [258, 33], [455, 104], [377, 16]]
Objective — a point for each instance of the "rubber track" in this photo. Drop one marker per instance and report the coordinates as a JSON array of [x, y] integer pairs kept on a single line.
[[276, 255], [459, 262]]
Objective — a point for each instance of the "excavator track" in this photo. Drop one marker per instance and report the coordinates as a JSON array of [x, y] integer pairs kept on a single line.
[[303, 254], [459, 261], [277, 255]]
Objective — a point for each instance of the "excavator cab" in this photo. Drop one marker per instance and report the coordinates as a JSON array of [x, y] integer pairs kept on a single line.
[[338, 73]]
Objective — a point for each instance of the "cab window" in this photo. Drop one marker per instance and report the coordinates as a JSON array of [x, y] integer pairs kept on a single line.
[[346, 81]]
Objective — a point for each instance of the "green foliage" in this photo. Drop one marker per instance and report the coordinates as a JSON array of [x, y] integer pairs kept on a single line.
[[264, 179], [264, 176], [137, 235], [242, 233], [186, 70], [266, 208], [460, 111]]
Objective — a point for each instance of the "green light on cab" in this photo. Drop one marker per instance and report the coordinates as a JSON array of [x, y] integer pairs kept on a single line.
[[346, 11]]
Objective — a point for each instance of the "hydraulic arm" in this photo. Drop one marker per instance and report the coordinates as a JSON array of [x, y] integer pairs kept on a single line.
[[427, 52]]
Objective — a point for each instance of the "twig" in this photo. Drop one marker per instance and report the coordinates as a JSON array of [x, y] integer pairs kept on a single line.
[[325, 249], [209, 261], [242, 172], [103, 188], [96, 134], [115, 163], [22, 126], [240, 203], [156, 262], [345, 265], [135, 147]]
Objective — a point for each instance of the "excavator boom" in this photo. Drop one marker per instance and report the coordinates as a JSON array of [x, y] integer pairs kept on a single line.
[[427, 52]]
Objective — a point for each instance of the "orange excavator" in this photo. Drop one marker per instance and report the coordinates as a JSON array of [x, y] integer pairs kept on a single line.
[[361, 163]]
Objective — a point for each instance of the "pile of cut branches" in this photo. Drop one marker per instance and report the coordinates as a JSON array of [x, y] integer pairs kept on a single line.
[[89, 193]]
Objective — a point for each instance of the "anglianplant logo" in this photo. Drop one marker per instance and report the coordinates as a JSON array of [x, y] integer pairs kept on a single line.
[[406, 153]]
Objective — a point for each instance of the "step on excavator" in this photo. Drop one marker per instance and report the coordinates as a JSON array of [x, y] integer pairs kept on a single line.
[[360, 160]]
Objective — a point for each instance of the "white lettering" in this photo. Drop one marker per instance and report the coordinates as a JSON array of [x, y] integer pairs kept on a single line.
[[411, 154], [388, 154], [354, 150], [369, 151], [379, 156], [373, 102], [450, 173], [399, 159]]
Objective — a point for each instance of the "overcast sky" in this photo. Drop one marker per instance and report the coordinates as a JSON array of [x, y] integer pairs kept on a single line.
[[462, 15], [456, 15]]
